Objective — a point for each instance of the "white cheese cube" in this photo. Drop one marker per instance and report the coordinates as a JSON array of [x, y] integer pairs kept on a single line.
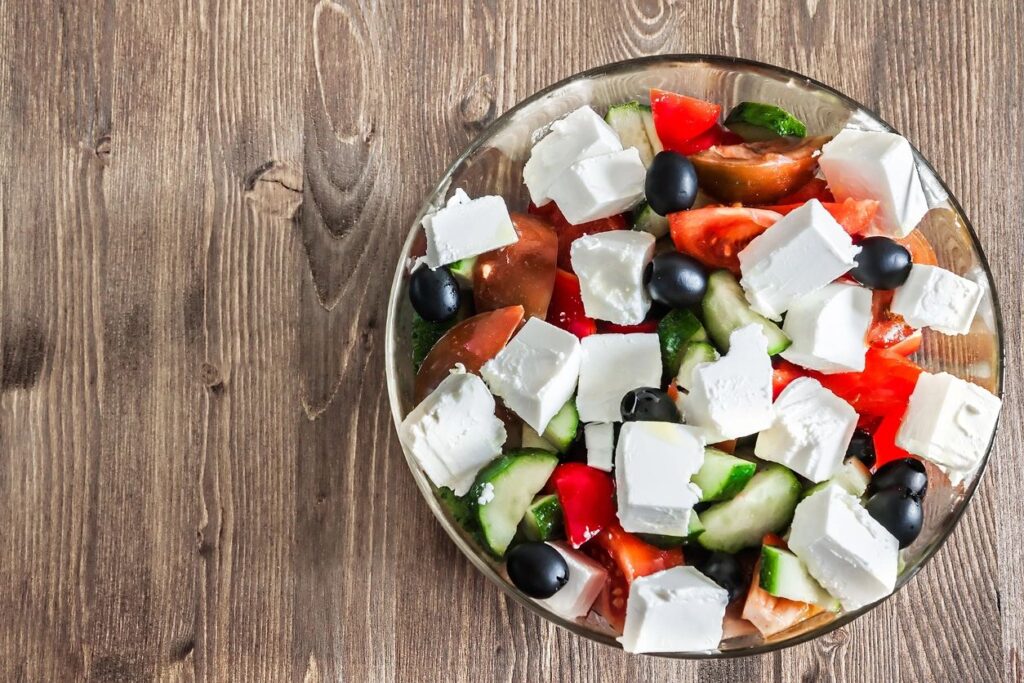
[[467, 227], [453, 432], [828, 328], [536, 372], [861, 164], [600, 441], [610, 266], [612, 365], [949, 421], [936, 298], [732, 397], [802, 252], [851, 555], [675, 610], [580, 134], [653, 465], [586, 581], [600, 186], [811, 430]]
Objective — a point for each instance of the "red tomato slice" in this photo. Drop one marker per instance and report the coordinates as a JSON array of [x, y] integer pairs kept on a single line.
[[647, 326], [566, 308], [587, 496], [884, 438], [784, 372], [626, 558], [715, 135], [715, 235], [472, 342], [521, 273], [884, 387], [889, 330], [816, 188], [854, 215], [568, 233], [679, 119]]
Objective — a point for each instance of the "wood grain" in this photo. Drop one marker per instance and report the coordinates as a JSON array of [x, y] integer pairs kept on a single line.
[[200, 202]]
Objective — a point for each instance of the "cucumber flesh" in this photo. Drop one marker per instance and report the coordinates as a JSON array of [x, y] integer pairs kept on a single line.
[[722, 476], [563, 427], [696, 353], [756, 122], [664, 542], [647, 219], [543, 519], [784, 575], [463, 271], [853, 477], [675, 331], [652, 132], [503, 492], [627, 120], [532, 439], [765, 505], [726, 310]]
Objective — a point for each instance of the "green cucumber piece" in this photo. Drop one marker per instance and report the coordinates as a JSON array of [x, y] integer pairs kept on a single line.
[[722, 476], [694, 528], [695, 354], [463, 271], [627, 120], [726, 310], [675, 331], [765, 505], [543, 519], [503, 491], [562, 429], [532, 439], [425, 334], [755, 122], [853, 477], [458, 507], [645, 219], [652, 132], [784, 575]]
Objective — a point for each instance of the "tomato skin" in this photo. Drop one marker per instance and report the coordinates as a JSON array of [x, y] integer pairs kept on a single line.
[[587, 498], [816, 188], [715, 135], [647, 326], [568, 233], [755, 173], [856, 216], [884, 387], [884, 439], [679, 119], [889, 330], [715, 235], [566, 307], [520, 273], [784, 372]]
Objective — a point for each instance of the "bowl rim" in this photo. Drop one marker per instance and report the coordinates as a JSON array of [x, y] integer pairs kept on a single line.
[[471, 553]]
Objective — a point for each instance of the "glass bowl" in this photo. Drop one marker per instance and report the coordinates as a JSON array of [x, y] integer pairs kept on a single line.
[[493, 165]]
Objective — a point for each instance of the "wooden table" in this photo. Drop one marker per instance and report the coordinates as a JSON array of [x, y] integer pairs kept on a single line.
[[200, 207]]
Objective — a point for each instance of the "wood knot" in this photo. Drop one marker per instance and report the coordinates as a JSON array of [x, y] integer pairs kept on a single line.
[[835, 639], [275, 188], [476, 108], [103, 149], [209, 375], [22, 355]]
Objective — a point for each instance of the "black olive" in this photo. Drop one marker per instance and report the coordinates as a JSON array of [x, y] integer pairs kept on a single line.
[[882, 263], [537, 569], [647, 404], [434, 294], [899, 512], [676, 280], [907, 473], [862, 447], [724, 569], [671, 183]]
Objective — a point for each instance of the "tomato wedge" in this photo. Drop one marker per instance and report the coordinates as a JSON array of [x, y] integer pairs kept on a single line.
[[784, 372], [889, 330], [855, 215], [626, 558], [883, 388], [587, 496], [521, 273], [816, 188], [679, 119], [647, 326], [715, 235], [715, 135], [566, 308], [472, 342], [568, 233], [770, 614], [757, 172], [884, 439]]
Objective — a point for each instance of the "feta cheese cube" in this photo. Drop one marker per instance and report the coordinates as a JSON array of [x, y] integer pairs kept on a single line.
[[600, 186], [536, 372], [610, 266], [653, 465], [612, 365], [828, 328], [467, 227], [936, 298], [453, 432], [949, 421], [732, 397], [600, 441], [801, 253], [675, 610], [586, 581], [850, 554], [811, 430], [580, 134], [861, 164]]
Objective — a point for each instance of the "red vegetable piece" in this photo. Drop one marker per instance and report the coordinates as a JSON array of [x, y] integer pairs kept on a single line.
[[587, 498], [889, 330], [715, 235], [816, 188], [715, 135], [884, 438], [647, 326], [568, 233], [679, 119], [566, 308], [855, 215], [784, 372], [884, 387], [521, 273]]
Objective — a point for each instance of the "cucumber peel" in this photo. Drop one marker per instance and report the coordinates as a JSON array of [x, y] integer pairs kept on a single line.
[[675, 331], [726, 309], [722, 475], [543, 519], [756, 122], [765, 505]]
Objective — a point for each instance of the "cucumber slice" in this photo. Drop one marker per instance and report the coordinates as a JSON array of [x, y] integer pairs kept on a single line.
[[784, 575], [726, 309], [425, 334], [532, 439], [458, 507], [543, 519], [755, 122], [765, 505], [722, 476], [646, 219], [694, 528], [504, 490], [627, 120], [696, 353], [563, 427], [652, 132], [675, 331], [463, 271], [853, 477]]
